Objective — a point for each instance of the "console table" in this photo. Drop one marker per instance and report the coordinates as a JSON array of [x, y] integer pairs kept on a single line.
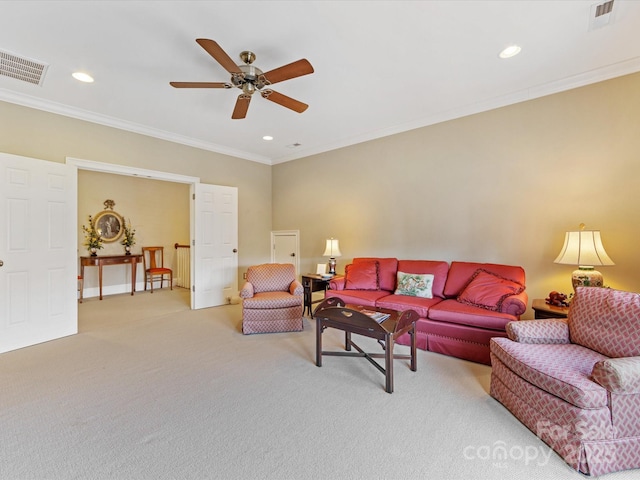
[[100, 261]]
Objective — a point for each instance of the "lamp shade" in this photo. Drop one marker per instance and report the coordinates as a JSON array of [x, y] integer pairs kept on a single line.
[[583, 248], [332, 249]]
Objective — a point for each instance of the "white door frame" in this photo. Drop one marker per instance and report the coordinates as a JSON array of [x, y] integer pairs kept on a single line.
[[295, 233], [135, 172], [131, 171]]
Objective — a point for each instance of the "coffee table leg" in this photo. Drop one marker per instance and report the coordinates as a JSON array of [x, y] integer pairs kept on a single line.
[[318, 342], [388, 363], [414, 362], [347, 341]]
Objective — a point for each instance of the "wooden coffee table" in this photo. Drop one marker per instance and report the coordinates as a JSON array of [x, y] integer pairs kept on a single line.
[[333, 313]]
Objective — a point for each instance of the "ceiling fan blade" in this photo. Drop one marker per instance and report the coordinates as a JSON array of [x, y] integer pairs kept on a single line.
[[285, 101], [242, 105], [219, 54], [292, 70], [200, 84]]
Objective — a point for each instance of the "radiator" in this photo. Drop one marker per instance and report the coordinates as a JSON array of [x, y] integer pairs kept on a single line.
[[183, 266]]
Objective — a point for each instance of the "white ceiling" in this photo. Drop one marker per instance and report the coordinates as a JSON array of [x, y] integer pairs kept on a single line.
[[381, 67]]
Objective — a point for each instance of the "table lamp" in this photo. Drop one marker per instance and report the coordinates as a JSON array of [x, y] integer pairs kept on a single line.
[[332, 250], [584, 248]]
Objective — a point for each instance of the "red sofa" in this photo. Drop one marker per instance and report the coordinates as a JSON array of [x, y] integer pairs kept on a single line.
[[461, 307]]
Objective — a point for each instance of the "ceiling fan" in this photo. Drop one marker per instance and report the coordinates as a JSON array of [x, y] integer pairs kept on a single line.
[[249, 78]]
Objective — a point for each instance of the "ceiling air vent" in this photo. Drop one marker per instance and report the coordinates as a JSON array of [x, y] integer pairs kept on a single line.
[[600, 14], [21, 68], [604, 8]]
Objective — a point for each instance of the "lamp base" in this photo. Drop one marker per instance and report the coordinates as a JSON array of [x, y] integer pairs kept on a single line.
[[332, 266], [586, 277]]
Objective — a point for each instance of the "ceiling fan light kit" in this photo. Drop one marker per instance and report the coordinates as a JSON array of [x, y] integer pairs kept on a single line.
[[250, 79]]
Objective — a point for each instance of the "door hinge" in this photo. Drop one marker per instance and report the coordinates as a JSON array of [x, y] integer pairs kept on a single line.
[[193, 196], [193, 288], [193, 243]]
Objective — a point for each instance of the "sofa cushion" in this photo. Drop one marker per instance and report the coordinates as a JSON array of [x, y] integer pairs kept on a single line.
[[414, 284], [562, 370], [362, 276], [452, 311], [266, 300], [606, 320], [488, 290], [386, 271], [403, 302], [271, 277], [438, 268], [366, 298], [461, 272]]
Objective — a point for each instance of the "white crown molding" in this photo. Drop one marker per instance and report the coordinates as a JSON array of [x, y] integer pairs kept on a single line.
[[626, 67], [575, 81], [57, 108]]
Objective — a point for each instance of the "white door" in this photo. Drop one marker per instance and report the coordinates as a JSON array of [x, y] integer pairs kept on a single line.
[[285, 246], [38, 247], [215, 248]]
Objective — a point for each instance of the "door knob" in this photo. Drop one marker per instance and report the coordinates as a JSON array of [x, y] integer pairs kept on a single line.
[[235, 250], [293, 254], [1, 263]]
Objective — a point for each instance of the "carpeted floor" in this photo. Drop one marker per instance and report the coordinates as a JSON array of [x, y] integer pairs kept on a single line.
[[152, 390]]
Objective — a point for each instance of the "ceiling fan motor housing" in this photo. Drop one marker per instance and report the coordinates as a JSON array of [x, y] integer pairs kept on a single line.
[[252, 79]]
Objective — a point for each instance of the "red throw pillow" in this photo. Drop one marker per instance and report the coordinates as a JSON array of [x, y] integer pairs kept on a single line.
[[488, 290], [362, 276]]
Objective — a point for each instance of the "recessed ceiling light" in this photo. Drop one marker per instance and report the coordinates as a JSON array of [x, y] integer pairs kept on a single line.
[[83, 77], [267, 138], [510, 51]]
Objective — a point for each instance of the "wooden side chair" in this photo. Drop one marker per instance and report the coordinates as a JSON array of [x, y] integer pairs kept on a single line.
[[153, 262]]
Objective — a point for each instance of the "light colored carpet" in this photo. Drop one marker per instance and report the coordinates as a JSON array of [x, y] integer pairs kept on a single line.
[[151, 390]]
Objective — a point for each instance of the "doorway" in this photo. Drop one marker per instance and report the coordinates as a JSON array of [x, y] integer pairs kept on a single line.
[[285, 247], [207, 229]]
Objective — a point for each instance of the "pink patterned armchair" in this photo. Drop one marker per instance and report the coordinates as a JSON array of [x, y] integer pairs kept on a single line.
[[576, 383], [272, 299]]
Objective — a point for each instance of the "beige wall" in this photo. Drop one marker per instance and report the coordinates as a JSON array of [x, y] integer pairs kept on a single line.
[[43, 135], [501, 186]]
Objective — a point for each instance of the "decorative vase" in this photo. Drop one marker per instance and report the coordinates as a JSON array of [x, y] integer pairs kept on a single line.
[[127, 250], [94, 251]]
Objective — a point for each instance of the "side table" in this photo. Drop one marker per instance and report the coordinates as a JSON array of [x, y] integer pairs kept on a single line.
[[312, 282], [542, 309]]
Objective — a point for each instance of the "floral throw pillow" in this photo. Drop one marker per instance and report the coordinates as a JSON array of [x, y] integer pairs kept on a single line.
[[415, 285]]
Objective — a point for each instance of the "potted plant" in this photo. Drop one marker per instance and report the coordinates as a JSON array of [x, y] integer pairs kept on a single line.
[[92, 240], [128, 237]]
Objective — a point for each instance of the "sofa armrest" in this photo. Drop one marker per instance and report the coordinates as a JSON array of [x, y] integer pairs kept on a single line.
[[296, 288], [247, 290], [336, 283], [618, 375], [515, 305], [539, 331]]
